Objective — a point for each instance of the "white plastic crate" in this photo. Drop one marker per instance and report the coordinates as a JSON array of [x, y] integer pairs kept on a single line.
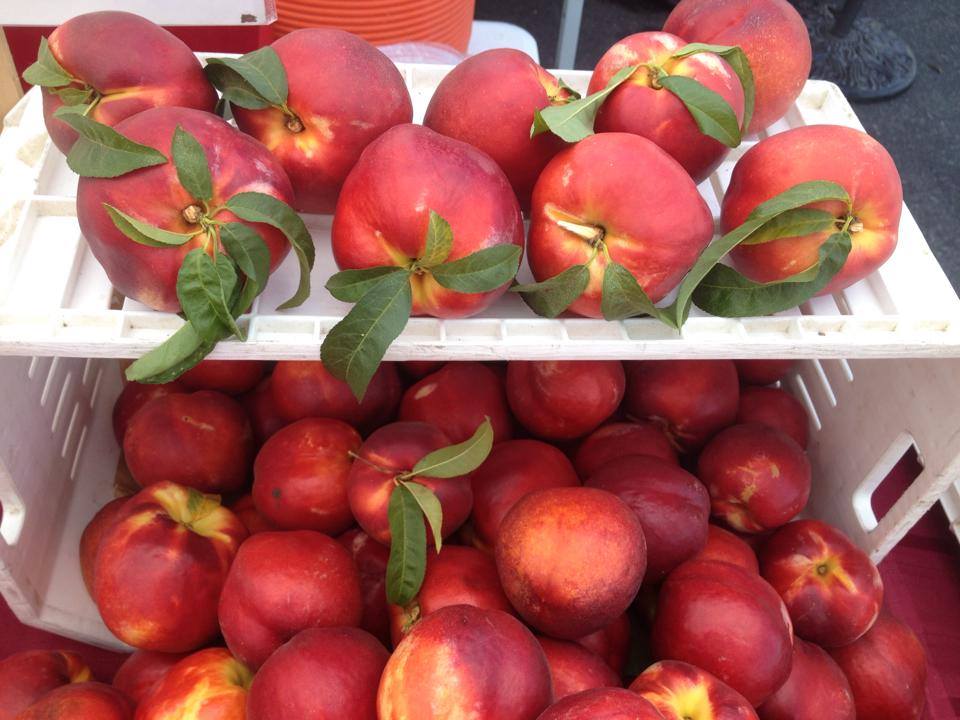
[[56, 300], [58, 459]]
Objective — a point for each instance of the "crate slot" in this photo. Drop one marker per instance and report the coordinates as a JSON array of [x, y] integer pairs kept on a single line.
[[863, 494], [49, 383], [800, 388], [825, 383], [64, 398], [78, 453], [12, 513], [888, 494], [72, 430]]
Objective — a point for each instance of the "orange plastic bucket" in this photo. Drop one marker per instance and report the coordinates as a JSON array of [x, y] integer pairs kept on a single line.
[[383, 22]]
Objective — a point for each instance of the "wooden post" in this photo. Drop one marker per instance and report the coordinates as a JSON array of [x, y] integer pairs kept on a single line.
[[10, 88]]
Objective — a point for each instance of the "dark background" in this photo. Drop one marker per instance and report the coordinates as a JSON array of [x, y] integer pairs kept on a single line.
[[919, 127]]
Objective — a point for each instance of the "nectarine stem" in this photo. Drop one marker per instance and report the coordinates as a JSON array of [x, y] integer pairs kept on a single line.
[[192, 214]]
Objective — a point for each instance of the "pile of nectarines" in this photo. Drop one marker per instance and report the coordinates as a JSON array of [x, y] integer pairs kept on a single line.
[[634, 525]]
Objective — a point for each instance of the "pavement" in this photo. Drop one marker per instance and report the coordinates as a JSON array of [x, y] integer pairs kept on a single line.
[[920, 127]]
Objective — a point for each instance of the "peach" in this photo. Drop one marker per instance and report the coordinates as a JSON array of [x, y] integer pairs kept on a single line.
[[131, 63], [202, 440], [692, 399], [842, 155], [300, 476], [672, 505], [488, 100], [831, 589], [602, 704], [758, 477], [727, 621], [512, 470], [154, 195], [588, 208], [439, 399], [80, 701], [772, 35], [681, 691], [133, 397], [723, 546], [27, 676], [419, 369], [887, 671], [454, 576], [547, 556], [142, 670], [210, 683], [265, 418], [281, 583], [248, 514], [371, 559], [384, 210], [775, 408], [304, 388], [817, 689], [763, 372], [564, 399], [574, 669], [330, 122], [232, 377], [321, 673], [161, 566], [93, 534], [642, 106], [389, 451], [462, 661], [611, 642], [619, 439]]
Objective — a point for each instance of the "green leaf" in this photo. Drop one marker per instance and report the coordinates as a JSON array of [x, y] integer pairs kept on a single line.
[[204, 288], [101, 151], [408, 547], [351, 285], [554, 295], [144, 233], [799, 195], [168, 361], [46, 71], [727, 293], [572, 94], [355, 346], [190, 159], [260, 207], [250, 253], [710, 111], [482, 271], [262, 70], [431, 509], [573, 121], [438, 243], [459, 459], [792, 223], [234, 88], [737, 59], [622, 296], [73, 96]]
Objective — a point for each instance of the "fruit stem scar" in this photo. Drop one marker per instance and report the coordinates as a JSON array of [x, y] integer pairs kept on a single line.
[[593, 233], [822, 569], [193, 214], [655, 73], [293, 123]]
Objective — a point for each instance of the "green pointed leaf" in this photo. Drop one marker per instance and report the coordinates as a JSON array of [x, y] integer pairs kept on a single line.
[[573, 121], [168, 361], [554, 295], [482, 271], [233, 88], [459, 459], [710, 111], [571, 93], [101, 151], [250, 253], [204, 288], [737, 59], [46, 71], [190, 159], [438, 243], [792, 223], [799, 195], [622, 296], [144, 233], [353, 349], [74, 96], [262, 70], [727, 293], [260, 207], [351, 285], [408, 547], [431, 509]]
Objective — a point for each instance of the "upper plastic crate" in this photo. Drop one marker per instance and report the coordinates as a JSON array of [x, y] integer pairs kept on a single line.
[[56, 300]]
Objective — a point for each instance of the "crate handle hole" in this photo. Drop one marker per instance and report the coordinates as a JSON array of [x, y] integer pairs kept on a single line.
[[886, 483], [12, 511]]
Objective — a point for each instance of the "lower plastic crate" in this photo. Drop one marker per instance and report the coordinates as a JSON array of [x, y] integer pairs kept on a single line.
[[58, 461]]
